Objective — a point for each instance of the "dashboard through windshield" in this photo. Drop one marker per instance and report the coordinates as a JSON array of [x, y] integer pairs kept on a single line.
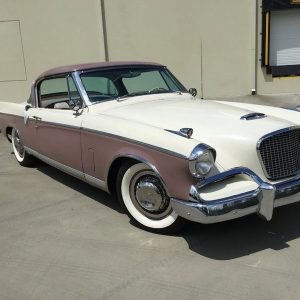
[[104, 85]]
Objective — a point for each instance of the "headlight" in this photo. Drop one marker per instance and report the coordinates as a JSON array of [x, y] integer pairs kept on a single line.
[[201, 160]]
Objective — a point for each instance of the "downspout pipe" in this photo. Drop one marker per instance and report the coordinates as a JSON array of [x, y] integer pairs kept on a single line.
[[104, 28], [253, 49]]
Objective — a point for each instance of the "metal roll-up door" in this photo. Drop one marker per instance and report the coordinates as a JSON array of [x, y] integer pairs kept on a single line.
[[285, 38]]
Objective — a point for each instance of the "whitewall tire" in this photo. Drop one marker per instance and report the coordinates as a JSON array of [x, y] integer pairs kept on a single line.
[[21, 155], [144, 197]]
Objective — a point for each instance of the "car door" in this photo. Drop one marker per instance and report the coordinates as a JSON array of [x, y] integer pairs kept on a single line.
[[57, 125]]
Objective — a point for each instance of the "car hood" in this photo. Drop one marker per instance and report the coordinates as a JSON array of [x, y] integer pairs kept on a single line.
[[215, 123]]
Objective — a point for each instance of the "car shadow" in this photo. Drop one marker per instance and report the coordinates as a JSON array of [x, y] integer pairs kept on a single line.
[[244, 236], [220, 241], [79, 186]]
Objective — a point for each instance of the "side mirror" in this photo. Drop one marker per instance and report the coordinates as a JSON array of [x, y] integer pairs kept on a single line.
[[193, 92], [27, 107]]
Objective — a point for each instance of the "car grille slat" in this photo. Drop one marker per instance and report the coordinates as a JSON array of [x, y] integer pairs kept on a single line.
[[280, 154]]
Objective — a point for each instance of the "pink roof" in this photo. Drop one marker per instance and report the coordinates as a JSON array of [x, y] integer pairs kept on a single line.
[[80, 67]]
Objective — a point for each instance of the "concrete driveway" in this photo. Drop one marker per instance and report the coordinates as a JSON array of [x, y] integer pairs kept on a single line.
[[62, 239]]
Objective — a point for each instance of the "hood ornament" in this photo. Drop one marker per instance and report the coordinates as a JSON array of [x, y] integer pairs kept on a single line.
[[184, 132], [187, 132], [253, 116]]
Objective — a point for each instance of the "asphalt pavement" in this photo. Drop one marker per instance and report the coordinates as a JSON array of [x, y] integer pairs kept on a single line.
[[63, 239]]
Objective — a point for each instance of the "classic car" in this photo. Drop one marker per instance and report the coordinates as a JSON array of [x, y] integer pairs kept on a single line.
[[133, 130]]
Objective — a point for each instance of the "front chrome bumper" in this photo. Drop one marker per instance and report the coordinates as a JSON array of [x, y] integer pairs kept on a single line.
[[261, 200]]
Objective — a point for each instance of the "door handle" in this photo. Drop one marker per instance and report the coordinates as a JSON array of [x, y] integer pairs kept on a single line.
[[37, 118]]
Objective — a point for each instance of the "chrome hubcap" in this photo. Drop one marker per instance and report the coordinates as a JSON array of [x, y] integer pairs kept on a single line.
[[149, 196]]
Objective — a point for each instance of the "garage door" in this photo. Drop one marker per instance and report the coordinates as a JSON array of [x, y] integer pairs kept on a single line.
[[285, 38]]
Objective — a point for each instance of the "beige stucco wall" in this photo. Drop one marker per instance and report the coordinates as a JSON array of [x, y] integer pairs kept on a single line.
[[172, 31], [50, 33], [214, 46], [265, 83]]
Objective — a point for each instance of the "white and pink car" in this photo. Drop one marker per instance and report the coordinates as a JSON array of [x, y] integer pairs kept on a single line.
[[132, 129]]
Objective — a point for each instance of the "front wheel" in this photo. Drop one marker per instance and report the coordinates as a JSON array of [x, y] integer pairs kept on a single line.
[[145, 199], [21, 155]]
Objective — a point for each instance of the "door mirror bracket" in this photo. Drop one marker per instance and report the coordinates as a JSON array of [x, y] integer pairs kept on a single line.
[[193, 92], [77, 111], [27, 107]]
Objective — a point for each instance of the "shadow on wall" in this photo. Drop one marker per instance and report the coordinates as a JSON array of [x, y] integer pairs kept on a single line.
[[222, 241]]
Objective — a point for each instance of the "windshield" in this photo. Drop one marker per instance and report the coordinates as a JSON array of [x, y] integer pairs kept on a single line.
[[128, 82]]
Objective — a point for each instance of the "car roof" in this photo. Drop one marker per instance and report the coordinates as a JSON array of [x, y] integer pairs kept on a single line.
[[97, 65]]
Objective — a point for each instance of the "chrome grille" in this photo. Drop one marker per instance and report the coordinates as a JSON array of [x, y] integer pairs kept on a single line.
[[280, 153]]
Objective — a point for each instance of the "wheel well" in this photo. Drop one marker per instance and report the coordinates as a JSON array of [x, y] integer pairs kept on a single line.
[[113, 172], [8, 133]]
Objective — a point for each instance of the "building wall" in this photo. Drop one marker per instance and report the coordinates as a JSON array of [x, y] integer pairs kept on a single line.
[[39, 34], [214, 46], [194, 38], [265, 83]]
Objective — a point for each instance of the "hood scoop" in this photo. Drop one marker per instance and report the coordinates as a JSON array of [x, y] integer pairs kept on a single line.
[[253, 116]]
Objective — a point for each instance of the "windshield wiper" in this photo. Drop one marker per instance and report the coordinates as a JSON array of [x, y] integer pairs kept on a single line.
[[120, 98], [140, 93]]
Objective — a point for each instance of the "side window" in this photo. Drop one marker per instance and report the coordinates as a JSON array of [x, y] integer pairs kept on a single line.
[[58, 93], [99, 88]]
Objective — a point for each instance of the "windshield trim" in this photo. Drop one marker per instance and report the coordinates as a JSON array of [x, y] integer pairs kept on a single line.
[[84, 93]]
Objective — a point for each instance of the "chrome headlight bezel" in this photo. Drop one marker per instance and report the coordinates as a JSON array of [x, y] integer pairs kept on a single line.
[[201, 153]]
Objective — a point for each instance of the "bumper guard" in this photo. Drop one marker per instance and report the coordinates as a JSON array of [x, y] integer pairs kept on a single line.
[[261, 200]]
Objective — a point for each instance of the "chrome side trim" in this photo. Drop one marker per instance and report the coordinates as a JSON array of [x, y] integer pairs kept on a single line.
[[261, 200], [66, 169], [169, 152], [96, 182], [58, 124], [56, 164], [156, 148]]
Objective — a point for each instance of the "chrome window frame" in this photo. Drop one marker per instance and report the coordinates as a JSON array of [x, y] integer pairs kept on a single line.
[[84, 96], [79, 86], [77, 78]]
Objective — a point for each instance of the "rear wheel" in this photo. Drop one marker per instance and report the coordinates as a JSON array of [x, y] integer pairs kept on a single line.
[[20, 153], [143, 195]]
